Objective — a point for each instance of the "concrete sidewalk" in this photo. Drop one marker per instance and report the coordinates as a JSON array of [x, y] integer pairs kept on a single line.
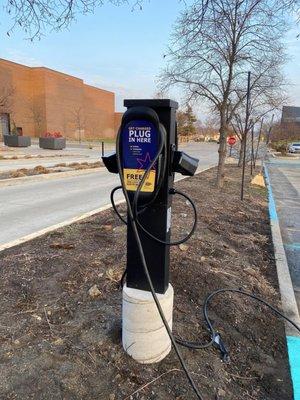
[[285, 182], [283, 266]]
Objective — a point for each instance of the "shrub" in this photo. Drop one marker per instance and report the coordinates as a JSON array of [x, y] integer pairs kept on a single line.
[[280, 145], [53, 134]]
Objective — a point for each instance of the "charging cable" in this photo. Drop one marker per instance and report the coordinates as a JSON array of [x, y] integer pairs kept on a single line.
[[133, 223], [132, 212]]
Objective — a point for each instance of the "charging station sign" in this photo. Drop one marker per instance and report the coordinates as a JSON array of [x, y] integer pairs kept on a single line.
[[140, 142]]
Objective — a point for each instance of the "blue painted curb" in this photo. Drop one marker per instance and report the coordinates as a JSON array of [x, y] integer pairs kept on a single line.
[[272, 207], [293, 342]]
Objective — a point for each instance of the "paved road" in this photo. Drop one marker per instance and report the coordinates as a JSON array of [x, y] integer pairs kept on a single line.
[[33, 206], [285, 181], [49, 157]]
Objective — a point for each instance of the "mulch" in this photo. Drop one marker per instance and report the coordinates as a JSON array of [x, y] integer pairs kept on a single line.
[[60, 341]]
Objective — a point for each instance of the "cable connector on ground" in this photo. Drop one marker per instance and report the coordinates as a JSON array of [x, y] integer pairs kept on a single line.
[[219, 344]]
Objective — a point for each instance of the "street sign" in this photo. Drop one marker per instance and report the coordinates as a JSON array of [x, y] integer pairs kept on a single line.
[[231, 140]]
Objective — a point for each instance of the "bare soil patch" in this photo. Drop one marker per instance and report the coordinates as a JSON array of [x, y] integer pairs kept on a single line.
[[60, 337]]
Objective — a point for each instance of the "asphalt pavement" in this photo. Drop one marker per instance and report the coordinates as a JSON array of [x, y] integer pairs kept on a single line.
[[32, 206], [285, 182]]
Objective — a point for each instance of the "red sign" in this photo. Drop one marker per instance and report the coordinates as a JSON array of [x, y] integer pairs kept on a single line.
[[231, 140]]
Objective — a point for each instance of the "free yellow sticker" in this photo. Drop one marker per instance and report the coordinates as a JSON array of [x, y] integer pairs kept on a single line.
[[133, 177]]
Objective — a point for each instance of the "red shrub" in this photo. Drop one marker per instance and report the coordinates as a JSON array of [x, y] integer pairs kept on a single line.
[[53, 135]]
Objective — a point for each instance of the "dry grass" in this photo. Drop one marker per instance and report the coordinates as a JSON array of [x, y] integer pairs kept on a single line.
[[17, 174], [60, 165], [39, 169]]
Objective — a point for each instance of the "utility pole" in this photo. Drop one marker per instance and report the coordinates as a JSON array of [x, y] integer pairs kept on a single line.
[[245, 134]]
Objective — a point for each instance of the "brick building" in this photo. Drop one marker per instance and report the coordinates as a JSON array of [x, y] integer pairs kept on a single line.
[[40, 100], [289, 128]]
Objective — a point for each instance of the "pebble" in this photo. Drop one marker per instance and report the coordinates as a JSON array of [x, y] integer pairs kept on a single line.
[[251, 271], [183, 247], [94, 291], [221, 392]]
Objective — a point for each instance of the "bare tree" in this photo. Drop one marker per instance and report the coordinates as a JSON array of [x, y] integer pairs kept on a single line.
[[79, 120], [94, 125], [36, 113], [211, 52], [209, 128], [267, 95], [6, 98], [35, 17], [158, 94], [64, 123]]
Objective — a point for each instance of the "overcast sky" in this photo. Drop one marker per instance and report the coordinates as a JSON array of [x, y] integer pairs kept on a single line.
[[117, 49]]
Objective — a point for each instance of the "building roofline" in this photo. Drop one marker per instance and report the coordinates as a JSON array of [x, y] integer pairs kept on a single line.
[[98, 88], [15, 63], [57, 72]]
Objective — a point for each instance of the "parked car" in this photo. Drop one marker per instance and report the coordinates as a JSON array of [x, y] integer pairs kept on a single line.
[[294, 148]]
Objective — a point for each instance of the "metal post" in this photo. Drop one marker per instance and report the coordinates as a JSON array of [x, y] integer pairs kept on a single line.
[[252, 149], [258, 142], [245, 134], [102, 148], [270, 130], [230, 151]]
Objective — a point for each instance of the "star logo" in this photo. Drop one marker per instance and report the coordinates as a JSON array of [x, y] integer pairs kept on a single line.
[[144, 163]]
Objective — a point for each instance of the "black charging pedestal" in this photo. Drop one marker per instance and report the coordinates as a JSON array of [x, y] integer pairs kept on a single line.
[[157, 218]]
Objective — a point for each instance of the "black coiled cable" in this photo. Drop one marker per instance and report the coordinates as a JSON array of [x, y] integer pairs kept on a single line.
[[133, 217]]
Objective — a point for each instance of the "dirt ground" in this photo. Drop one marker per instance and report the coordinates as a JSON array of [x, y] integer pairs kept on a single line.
[[59, 342]]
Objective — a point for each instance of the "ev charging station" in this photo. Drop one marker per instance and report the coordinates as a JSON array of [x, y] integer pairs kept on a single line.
[[146, 159]]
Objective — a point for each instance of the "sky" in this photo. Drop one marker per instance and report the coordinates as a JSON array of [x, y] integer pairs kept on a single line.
[[118, 49]]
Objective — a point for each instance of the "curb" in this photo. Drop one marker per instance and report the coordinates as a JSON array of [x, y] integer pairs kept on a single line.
[[51, 228], [288, 300], [70, 221], [41, 177]]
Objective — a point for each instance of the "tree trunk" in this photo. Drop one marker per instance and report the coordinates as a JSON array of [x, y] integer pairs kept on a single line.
[[222, 155]]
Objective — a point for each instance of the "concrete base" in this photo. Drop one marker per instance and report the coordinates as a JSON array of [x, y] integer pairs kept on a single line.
[[144, 335], [52, 143]]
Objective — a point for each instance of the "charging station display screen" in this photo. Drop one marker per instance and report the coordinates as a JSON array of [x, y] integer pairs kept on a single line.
[[140, 141]]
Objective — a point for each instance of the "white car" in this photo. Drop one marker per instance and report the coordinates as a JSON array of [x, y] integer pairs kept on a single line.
[[294, 148]]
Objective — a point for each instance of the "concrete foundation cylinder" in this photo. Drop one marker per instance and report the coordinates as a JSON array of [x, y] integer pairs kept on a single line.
[[144, 335]]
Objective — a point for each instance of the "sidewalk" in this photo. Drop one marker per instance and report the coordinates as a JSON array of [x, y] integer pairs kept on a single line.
[[285, 182], [284, 201]]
